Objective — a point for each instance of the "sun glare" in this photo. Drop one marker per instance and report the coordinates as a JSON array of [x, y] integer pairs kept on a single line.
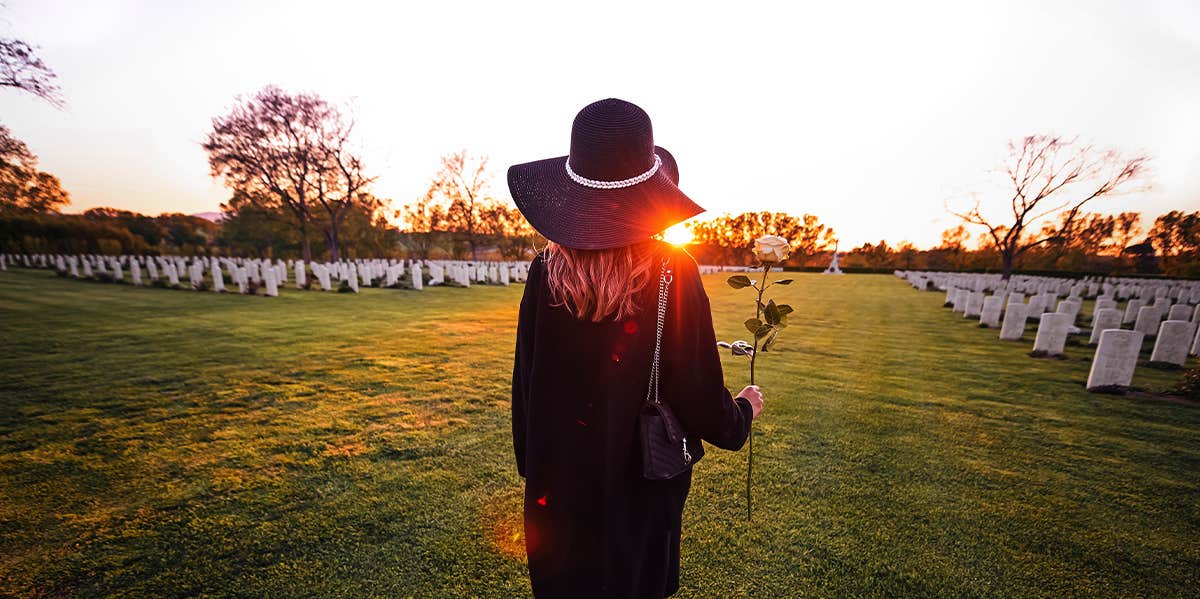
[[677, 234]]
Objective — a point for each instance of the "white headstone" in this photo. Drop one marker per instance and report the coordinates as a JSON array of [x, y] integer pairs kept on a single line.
[[974, 305], [1014, 322], [269, 281], [1131, 310], [1070, 307], [1172, 344], [1115, 359], [1105, 318], [417, 283], [1147, 320], [135, 272], [218, 278], [990, 315], [301, 276], [1052, 333], [1180, 312]]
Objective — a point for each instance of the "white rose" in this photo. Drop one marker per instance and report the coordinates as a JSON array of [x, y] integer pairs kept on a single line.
[[772, 249]]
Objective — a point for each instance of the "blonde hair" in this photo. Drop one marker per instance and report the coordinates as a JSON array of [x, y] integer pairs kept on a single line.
[[598, 284]]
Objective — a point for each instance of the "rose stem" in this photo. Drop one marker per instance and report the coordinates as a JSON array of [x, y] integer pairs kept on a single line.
[[762, 286]]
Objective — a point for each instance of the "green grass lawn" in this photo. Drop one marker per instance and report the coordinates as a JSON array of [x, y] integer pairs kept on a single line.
[[172, 443]]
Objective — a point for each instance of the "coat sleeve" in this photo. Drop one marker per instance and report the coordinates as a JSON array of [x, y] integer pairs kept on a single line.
[[522, 361], [691, 365]]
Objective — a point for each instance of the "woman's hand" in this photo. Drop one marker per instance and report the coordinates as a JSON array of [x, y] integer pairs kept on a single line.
[[753, 395]]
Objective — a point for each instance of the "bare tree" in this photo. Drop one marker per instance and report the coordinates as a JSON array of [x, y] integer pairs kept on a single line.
[[22, 69], [343, 183], [1046, 174], [273, 146], [462, 187]]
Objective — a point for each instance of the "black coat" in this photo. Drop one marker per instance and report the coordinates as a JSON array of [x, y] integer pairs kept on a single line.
[[594, 527]]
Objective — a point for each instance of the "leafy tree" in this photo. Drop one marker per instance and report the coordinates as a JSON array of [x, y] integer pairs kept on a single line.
[[23, 188], [290, 151], [1176, 236], [726, 238]]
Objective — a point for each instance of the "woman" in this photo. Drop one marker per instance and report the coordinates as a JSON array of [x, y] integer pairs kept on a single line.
[[594, 526]]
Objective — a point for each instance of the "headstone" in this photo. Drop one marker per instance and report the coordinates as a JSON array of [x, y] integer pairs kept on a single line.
[[152, 268], [1052, 332], [974, 305], [1131, 310], [1180, 312], [135, 272], [1147, 320], [1115, 359], [172, 274], [417, 283], [196, 274], [1036, 305], [1070, 307], [1102, 303], [269, 280], [1171, 346], [960, 300], [1105, 318], [1014, 322], [301, 277], [990, 315], [322, 276], [218, 278]]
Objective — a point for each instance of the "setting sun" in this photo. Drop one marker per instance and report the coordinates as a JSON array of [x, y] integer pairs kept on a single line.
[[678, 234]]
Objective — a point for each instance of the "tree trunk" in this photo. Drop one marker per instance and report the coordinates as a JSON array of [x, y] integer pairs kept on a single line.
[[331, 238], [305, 248], [1008, 258]]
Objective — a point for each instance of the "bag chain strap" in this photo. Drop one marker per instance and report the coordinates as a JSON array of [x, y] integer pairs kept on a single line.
[[664, 282]]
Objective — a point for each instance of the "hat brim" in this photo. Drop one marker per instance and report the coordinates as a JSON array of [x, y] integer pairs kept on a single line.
[[585, 218]]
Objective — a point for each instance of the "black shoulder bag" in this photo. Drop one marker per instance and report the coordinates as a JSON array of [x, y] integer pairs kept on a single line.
[[665, 451]]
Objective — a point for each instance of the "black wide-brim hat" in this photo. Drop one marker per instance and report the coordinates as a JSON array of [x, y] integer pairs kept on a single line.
[[614, 189]]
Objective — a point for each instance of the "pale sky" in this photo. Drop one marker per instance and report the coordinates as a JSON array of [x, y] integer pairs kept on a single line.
[[870, 115]]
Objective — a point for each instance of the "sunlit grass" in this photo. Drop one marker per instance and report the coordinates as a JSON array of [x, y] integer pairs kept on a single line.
[[164, 443]]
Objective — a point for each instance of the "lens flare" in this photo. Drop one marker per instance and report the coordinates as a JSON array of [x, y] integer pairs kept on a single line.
[[677, 234]]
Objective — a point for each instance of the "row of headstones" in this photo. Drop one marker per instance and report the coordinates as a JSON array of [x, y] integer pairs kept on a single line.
[[251, 273], [1170, 318], [708, 269], [1121, 288]]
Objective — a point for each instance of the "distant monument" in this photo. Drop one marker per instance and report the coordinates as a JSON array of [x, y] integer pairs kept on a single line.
[[833, 266]]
